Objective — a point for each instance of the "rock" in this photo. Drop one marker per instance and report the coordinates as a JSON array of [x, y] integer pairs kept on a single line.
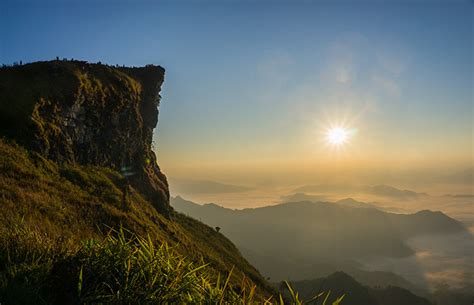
[[91, 114]]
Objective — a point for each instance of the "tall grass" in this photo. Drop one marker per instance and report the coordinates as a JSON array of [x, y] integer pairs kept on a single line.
[[122, 268]]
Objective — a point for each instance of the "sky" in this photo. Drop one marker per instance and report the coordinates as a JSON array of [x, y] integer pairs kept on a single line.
[[252, 87]]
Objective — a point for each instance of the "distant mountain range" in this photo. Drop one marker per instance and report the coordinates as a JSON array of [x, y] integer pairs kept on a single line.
[[340, 283], [390, 191], [299, 197], [188, 186], [380, 190], [286, 240]]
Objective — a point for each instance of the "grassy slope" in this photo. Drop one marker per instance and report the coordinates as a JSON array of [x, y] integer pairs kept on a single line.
[[75, 202]]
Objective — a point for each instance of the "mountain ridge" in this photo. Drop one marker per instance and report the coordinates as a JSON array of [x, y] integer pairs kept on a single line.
[[325, 232], [356, 293], [381, 190]]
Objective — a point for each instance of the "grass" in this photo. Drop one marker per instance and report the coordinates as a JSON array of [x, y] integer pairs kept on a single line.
[[121, 268]]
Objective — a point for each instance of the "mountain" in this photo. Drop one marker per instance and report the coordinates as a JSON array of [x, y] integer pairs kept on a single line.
[[355, 293], [380, 190], [324, 268], [390, 191], [296, 197], [446, 295], [339, 283], [187, 186], [350, 202], [383, 279], [396, 295], [76, 162], [321, 232]]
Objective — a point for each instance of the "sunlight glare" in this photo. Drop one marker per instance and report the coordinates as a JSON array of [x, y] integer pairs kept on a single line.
[[337, 136]]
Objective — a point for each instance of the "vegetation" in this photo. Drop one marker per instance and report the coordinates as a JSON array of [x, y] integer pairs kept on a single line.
[[121, 268]]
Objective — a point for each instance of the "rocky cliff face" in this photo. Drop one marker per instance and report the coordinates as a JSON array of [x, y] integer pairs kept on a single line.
[[72, 111]]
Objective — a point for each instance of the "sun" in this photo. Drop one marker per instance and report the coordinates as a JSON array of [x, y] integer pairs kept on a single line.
[[337, 136]]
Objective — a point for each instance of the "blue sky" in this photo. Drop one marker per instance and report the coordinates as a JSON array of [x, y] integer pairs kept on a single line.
[[259, 83]]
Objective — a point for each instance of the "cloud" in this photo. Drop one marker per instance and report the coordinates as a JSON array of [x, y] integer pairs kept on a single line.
[[276, 67], [274, 72], [388, 85], [393, 58], [341, 62], [457, 278], [343, 72]]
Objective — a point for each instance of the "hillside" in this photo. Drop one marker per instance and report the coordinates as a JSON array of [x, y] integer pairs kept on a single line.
[[318, 233], [76, 160]]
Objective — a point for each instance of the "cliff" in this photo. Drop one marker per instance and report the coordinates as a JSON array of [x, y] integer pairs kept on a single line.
[[76, 161], [89, 114]]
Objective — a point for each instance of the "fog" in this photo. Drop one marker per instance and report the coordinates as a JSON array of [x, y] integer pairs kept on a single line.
[[437, 260]]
